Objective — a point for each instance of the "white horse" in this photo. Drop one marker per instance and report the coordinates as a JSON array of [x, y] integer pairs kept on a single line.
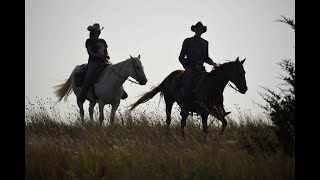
[[108, 89]]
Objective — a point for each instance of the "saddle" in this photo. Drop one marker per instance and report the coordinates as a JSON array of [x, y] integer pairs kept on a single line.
[[197, 80], [80, 75]]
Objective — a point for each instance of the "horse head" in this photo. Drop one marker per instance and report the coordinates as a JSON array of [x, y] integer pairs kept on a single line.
[[237, 75], [137, 71]]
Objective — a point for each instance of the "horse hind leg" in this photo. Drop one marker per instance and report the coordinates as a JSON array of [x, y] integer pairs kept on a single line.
[[224, 125], [113, 113], [80, 105], [184, 114], [204, 118], [91, 108], [223, 120], [169, 102], [101, 116]]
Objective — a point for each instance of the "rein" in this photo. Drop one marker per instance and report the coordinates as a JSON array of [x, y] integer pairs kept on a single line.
[[233, 87], [119, 75]]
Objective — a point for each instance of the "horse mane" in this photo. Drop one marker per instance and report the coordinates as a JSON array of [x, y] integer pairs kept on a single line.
[[221, 67], [119, 63]]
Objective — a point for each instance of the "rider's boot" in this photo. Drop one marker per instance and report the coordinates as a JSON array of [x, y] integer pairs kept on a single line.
[[124, 95]]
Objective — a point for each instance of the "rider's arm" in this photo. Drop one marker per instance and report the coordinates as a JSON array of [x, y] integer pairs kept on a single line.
[[107, 54], [94, 54], [182, 55], [90, 50], [106, 51], [207, 58]]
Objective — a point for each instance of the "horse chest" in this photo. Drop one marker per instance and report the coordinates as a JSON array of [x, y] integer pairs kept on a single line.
[[108, 95]]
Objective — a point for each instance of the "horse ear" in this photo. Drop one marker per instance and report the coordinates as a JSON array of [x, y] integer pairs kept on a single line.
[[131, 56], [243, 60], [237, 58], [139, 56]]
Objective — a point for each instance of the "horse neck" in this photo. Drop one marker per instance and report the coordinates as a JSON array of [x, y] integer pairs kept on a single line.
[[217, 81], [116, 74]]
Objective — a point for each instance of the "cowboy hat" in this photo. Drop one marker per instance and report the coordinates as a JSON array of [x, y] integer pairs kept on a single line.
[[95, 26], [199, 24]]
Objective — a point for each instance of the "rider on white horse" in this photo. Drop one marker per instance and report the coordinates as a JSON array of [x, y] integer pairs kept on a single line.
[[98, 54]]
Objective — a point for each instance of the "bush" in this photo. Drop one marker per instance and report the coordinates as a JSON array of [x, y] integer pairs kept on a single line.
[[281, 106]]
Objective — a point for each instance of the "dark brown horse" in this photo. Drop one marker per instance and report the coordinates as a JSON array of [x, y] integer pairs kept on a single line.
[[208, 98]]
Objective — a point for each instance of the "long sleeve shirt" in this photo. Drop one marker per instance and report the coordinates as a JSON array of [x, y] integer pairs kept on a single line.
[[194, 51]]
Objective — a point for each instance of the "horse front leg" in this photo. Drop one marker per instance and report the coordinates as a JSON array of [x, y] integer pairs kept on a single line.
[[204, 117], [80, 105], [224, 125], [113, 112], [91, 108], [169, 102], [184, 114], [220, 115], [101, 117]]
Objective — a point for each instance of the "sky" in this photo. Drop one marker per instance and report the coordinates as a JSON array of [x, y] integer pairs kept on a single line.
[[56, 31]]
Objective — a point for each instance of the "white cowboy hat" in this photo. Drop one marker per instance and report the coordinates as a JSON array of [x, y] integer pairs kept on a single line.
[[95, 26]]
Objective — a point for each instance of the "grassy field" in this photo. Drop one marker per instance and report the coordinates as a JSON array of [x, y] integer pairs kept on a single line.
[[137, 147]]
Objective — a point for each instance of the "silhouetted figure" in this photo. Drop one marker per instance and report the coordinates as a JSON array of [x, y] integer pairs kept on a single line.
[[98, 54], [193, 54], [209, 97]]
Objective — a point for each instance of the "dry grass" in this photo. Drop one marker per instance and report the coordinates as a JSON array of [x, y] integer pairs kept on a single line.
[[137, 147]]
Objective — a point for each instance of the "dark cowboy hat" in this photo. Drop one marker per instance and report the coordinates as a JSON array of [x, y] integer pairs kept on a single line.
[[199, 24], [95, 26]]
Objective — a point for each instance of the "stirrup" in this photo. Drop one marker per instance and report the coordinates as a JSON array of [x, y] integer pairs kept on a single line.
[[124, 95]]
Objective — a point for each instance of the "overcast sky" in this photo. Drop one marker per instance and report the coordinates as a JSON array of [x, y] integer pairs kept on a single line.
[[56, 32]]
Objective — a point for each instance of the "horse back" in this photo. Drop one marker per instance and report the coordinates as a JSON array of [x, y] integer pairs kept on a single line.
[[80, 75]]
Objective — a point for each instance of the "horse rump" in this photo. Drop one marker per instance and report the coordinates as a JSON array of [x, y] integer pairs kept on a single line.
[[80, 75]]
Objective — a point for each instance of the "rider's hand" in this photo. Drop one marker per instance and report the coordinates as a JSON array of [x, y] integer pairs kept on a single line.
[[188, 69], [215, 65], [108, 57], [101, 55]]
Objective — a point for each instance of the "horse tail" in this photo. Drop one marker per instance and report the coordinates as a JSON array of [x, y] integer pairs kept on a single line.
[[64, 89], [160, 88], [147, 96]]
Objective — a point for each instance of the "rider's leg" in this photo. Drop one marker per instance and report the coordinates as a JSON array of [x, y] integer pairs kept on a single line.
[[124, 95], [92, 67], [186, 92]]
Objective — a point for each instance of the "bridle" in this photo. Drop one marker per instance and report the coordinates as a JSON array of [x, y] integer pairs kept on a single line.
[[127, 79]]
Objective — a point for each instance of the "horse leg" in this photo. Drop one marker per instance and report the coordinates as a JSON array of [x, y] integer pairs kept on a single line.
[[91, 107], [169, 102], [184, 114], [224, 124], [221, 114], [113, 112], [204, 117], [101, 117], [80, 105]]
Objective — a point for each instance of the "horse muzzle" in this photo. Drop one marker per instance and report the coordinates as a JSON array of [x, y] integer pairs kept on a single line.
[[243, 90]]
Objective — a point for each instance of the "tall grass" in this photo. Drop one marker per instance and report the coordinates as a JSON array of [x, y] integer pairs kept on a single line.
[[136, 147]]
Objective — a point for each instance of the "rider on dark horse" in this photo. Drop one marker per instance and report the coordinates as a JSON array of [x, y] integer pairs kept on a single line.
[[98, 55], [196, 51]]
